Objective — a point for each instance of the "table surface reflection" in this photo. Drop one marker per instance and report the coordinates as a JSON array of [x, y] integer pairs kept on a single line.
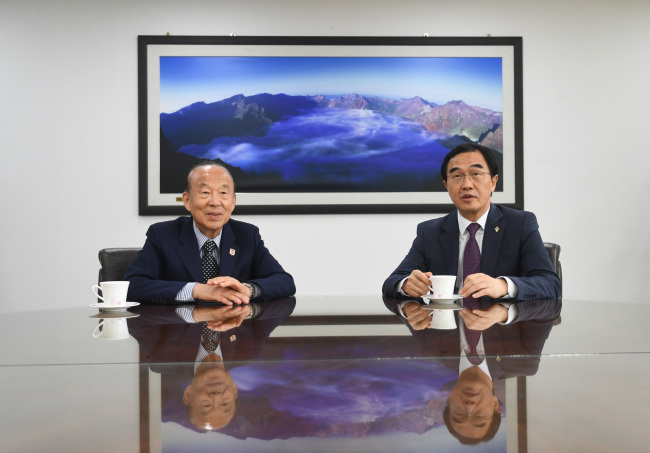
[[571, 377]]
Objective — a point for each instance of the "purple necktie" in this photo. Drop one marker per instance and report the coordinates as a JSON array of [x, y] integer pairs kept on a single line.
[[471, 262], [472, 265]]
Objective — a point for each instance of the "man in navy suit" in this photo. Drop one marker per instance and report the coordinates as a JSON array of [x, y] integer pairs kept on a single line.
[[473, 413], [514, 264], [197, 390], [169, 267]]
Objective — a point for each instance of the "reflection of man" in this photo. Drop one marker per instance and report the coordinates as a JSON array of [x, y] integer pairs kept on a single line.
[[473, 413], [193, 347], [211, 397], [513, 262], [501, 351], [169, 267]]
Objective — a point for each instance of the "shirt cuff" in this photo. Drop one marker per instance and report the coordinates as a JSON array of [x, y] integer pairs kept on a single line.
[[513, 289], [186, 313], [399, 287], [185, 294], [512, 312]]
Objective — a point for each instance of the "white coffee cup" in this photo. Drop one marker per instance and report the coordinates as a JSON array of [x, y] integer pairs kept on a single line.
[[113, 293], [442, 286], [112, 329], [443, 319]]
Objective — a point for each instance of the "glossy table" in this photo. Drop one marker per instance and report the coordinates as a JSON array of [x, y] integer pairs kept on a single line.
[[310, 381]]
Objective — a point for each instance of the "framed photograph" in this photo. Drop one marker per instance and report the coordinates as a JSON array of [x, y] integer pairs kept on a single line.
[[326, 125]]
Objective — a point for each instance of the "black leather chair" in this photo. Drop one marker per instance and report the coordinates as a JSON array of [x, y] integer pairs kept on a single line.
[[114, 262], [554, 253]]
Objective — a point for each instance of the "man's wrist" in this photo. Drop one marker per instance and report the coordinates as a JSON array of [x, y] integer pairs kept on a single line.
[[253, 311], [251, 288], [511, 288], [195, 291]]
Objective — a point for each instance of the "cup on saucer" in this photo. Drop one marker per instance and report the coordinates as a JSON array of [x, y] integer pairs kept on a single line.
[[443, 319], [442, 286], [113, 293], [112, 329]]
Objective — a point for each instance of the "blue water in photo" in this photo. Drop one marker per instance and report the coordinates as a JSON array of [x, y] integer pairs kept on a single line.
[[340, 146]]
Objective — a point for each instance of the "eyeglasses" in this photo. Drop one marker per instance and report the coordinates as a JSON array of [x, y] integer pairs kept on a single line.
[[475, 176], [460, 417]]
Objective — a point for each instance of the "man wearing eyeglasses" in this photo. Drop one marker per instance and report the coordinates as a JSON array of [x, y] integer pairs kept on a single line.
[[514, 266]]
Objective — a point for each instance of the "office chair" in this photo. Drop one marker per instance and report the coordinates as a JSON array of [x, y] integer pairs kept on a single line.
[[553, 251], [114, 262]]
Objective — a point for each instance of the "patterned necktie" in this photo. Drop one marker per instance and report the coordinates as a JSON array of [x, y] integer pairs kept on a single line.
[[207, 339], [472, 265], [208, 261]]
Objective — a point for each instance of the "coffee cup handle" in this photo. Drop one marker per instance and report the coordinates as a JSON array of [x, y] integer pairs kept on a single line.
[[95, 292], [96, 332]]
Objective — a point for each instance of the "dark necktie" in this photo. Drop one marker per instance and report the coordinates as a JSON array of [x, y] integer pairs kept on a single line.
[[208, 338], [209, 263], [471, 262], [472, 265]]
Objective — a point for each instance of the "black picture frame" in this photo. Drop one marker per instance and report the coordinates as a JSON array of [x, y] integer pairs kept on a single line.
[[155, 164]]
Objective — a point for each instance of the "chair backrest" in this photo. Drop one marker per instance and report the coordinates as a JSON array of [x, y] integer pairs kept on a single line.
[[554, 253], [114, 262]]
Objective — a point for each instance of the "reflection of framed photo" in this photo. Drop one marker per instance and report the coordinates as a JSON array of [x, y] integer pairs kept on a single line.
[[274, 416], [313, 125]]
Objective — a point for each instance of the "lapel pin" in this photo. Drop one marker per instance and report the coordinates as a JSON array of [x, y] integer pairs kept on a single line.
[[232, 252], [232, 338], [496, 230]]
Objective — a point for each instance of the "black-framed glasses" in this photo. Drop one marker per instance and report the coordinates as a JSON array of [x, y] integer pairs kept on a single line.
[[475, 176]]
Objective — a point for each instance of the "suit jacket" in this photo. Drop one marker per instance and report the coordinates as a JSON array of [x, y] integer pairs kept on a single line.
[[170, 346], [165, 338], [171, 258], [512, 247], [511, 349]]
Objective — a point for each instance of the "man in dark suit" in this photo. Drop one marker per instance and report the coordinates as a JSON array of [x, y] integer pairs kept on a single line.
[[169, 268], [473, 413], [514, 265], [198, 391]]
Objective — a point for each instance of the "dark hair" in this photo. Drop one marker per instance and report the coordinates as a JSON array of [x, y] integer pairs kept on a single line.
[[470, 148], [489, 435], [205, 163]]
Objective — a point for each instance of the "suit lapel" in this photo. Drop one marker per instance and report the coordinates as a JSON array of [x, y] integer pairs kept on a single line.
[[188, 251], [495, 229], [449, 243], [228, 252]]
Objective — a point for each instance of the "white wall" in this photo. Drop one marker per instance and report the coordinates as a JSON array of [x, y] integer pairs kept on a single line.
[[69, 141]]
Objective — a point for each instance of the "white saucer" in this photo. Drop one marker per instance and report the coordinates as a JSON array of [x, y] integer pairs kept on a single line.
[[442, 306], [430, 298], [114, 314], [105, 307]]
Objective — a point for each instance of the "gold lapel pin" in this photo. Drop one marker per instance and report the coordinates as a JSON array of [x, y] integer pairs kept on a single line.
[[232, 338], [232, 252], [496, 229]]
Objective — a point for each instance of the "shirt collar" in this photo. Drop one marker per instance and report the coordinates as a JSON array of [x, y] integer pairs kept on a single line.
[[463, 223], [202, 238]]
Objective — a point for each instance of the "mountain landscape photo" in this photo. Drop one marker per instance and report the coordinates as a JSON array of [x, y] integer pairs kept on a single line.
[[323, 143]]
